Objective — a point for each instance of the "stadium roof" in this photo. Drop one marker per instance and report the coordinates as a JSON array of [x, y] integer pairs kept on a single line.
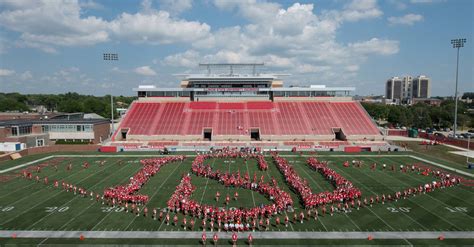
[[286, 89]]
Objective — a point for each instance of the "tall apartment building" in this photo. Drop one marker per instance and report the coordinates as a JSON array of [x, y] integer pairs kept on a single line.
[[406, 87], [394, 89], [421, 87], [403, 90]]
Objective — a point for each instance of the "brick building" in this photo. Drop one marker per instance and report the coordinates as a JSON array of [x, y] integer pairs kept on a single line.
[[35, 133]]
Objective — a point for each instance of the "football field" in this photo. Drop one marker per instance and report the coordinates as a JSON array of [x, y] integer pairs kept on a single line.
[[50, 215]]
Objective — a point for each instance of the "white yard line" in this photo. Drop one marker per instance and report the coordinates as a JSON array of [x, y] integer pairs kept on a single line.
[[205, 187], [75, 197], [253, 197], [373, 192], [109, 213], [429, 211], [432, 196], [442, 166], [31, 184], [40, 190], [26, 164], [242, 235], [269, 177], [78, 156], [49, 198], [93, 201]]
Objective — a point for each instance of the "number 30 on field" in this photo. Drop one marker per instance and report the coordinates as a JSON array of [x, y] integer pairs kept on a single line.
[[6, 208], [400, 209], [457, 209], [56, 209]]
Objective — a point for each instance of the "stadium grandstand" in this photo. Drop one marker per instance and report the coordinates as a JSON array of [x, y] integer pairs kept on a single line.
[[239, 104]]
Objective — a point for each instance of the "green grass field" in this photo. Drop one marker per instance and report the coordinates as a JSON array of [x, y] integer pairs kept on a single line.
[[27, 205]]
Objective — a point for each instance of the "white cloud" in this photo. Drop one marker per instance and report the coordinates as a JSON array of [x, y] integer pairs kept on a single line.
[[291, 40], [187, 59], [26, 75], [400, 5], [361, 9], [6, 72], [47, 24], [408, 19], [89, 4], [176, 6], [157, 27], [299, 39], [426, 1], [382, 47], [145, 70]]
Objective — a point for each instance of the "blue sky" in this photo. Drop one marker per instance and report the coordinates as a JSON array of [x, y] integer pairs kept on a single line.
[[56, 46]]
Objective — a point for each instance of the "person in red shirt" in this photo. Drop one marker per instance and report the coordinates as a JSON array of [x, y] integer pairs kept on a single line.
[[203, 224], [227, 199], [234, 238], [191, 224], [217, 196], [175, 220], [203, 238], [185, 222], [250, 239], [167, 219], [215, 238]]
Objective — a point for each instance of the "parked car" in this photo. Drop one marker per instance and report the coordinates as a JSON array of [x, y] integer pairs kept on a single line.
[[466, 135], [439, 134]]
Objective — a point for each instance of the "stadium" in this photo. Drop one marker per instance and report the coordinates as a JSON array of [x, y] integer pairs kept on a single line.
[[238, 105], [232, 157]]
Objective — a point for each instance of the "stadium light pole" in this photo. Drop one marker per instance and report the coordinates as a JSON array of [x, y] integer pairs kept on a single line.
[[457, 44], [111, 57]]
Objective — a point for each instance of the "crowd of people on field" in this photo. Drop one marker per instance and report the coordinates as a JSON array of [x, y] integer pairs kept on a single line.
[[180, 200], [344, 197], [344, 189], [125, 193]]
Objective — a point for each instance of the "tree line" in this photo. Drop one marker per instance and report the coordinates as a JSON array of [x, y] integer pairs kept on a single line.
[[422, 115], [68, 102]]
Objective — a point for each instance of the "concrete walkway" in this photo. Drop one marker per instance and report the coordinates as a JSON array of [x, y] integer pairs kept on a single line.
[[257, 235]]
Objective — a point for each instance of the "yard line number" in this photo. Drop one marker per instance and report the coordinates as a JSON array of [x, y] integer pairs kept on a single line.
[[112, 209], [6, 208], [399, 209], [456, 209], [56, 209]]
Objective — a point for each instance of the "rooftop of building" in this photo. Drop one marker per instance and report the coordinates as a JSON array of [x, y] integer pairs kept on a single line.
[[25, 122]]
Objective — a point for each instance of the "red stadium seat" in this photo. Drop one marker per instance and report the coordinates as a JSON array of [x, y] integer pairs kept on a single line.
[[281, 118]]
